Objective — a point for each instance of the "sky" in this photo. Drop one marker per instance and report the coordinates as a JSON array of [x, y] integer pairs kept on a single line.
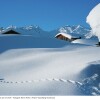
[[48, 14]]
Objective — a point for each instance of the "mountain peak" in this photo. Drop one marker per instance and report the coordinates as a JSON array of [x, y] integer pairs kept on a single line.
[[35, 30]]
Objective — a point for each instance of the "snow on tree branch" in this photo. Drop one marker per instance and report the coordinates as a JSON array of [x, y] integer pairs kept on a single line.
[[93, 19]]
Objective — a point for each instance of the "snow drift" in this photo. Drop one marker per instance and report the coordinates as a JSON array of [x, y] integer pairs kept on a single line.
[[23, 69], [16, 42], [93, 19]]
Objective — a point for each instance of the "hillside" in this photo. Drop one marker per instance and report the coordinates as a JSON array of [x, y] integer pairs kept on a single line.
[[16, 41], [32, 64], [45, 71]]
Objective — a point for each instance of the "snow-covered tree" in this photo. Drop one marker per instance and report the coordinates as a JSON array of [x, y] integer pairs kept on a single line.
[[93, 19]]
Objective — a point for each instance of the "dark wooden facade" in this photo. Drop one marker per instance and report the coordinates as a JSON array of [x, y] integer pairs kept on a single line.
[[60, 36]]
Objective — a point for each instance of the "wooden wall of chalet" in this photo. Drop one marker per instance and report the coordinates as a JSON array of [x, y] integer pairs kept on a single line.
[[63, 38], [60, 36]]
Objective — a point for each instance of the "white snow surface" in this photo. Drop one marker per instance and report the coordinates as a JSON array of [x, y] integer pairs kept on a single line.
[[91, 42], [44, 71], [93, 19]]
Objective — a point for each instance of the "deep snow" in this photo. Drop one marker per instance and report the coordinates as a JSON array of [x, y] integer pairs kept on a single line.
[[37, 64], [23, 41], [40, 71]]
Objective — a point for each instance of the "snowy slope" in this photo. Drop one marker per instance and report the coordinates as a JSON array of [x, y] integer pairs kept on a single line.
[[16, 41], [35, 64], [89, 41], [45, 71]]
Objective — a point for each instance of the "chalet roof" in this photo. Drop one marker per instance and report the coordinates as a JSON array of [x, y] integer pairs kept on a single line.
[[7, 30], [71, 35], [26, 32], [64, 34]]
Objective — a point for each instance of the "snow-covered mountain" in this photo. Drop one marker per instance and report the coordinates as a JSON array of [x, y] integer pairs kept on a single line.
[[32, 30], [36, 31], [75, 29]]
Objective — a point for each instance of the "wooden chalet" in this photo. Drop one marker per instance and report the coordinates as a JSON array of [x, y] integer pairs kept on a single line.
[[66, 37]]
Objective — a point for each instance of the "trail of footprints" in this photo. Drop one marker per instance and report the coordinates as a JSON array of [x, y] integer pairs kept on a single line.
[[40, 80]]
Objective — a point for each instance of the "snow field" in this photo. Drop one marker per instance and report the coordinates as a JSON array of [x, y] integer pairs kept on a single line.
[[43, 69]]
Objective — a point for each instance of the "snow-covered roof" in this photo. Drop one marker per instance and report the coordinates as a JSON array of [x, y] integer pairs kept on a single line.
[[71, 35], [64, 34], [4, 31], [33, 31]]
